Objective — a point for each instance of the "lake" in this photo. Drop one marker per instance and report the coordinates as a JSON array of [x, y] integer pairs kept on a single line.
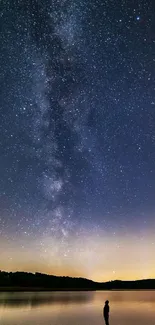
[[77, 308]]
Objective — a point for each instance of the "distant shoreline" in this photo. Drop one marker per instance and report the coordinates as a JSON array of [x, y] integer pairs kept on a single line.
[[33, 289], [22, 281]]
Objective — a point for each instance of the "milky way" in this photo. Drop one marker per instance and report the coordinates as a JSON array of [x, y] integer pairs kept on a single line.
[[77, 137]]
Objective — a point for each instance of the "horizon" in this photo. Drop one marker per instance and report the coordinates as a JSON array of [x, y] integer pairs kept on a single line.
[[76, 277], [76, 265], [122, 258]]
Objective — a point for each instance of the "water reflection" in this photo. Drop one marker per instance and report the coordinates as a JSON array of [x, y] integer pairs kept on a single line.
[[18, 299], [68, 308]]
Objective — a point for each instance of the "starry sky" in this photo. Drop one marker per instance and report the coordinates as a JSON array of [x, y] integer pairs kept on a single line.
[[77, 138]]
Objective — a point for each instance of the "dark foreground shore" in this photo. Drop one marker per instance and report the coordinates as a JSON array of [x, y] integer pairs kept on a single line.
[[40, 289], [32, 289]]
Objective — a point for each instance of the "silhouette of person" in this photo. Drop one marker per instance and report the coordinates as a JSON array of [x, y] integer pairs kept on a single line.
[[106, 312]]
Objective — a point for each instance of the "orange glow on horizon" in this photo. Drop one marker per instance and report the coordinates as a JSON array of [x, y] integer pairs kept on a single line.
[[94, 257]]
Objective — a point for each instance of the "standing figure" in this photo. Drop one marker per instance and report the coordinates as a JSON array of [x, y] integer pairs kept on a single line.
[[106, 312]]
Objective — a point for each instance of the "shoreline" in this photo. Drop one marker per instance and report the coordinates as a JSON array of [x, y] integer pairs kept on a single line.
[[41, 289]]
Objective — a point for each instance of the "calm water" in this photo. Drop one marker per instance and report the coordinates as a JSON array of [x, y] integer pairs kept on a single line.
[[77, 308]]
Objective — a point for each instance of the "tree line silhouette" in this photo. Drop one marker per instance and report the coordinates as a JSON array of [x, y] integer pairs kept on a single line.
[[39, 281]]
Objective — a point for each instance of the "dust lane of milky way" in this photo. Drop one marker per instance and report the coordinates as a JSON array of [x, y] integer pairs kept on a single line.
[[77, 138]]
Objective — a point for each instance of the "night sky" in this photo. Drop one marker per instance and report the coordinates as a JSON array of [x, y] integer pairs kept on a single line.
[[77, 138]]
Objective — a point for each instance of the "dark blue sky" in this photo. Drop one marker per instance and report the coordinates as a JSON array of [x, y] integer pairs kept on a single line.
[[77, 127]]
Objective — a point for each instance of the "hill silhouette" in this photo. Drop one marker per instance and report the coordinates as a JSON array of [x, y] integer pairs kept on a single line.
[[38, 281]]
